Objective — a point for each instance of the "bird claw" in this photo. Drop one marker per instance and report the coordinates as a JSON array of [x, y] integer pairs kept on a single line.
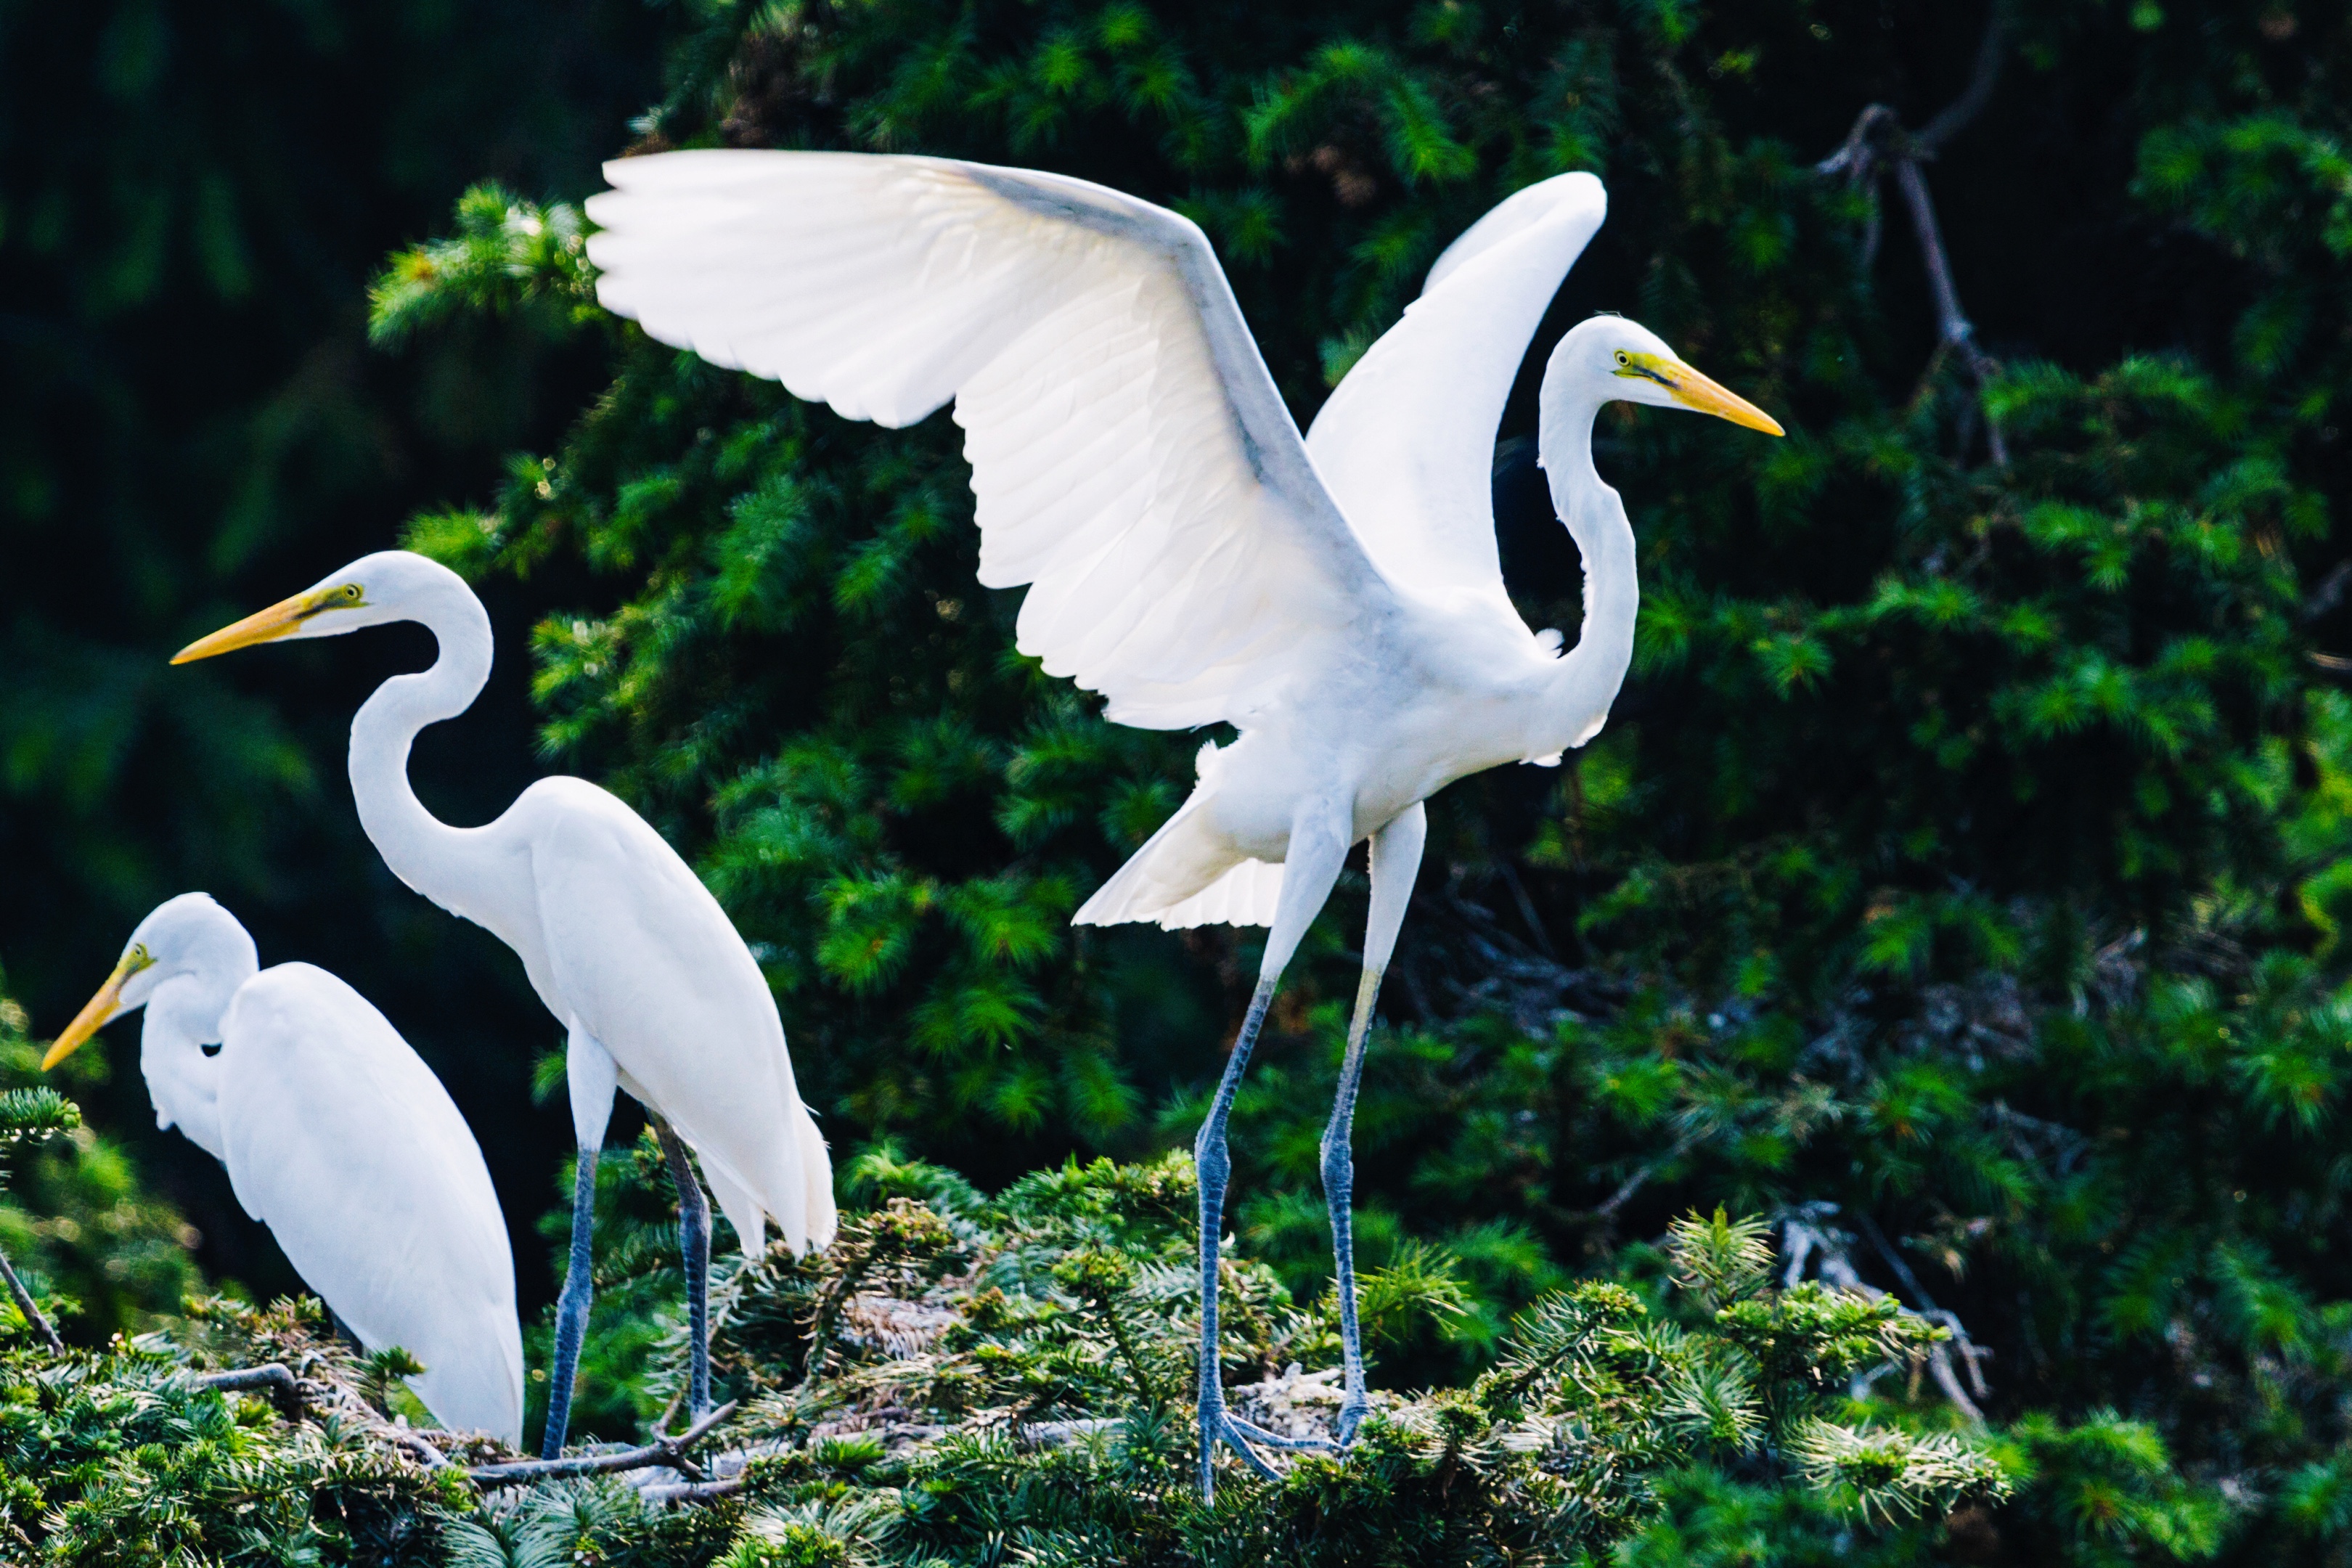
[[1244, 1438], [1351, 1416]]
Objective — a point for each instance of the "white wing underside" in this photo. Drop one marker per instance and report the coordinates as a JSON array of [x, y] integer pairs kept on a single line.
[[1131, 458], [1407, 440]]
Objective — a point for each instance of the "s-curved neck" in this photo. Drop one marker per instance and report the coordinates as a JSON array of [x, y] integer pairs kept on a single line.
[[1589, 678], [423, 851], [183, 1016]]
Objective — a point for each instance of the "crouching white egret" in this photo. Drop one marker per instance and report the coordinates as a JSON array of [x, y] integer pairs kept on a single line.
[[1337, 599], [623, 943], [338, 1139]]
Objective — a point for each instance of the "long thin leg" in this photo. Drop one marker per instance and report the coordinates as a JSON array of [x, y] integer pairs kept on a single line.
[[1318, 844], [594, 1079], [572, 1307], [1396, 862], [694, 1245]]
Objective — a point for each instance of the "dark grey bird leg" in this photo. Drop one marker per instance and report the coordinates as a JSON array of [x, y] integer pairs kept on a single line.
[[594, 1079], [1318, 844], [694, 1245], [1395, 863], [572, 1308]]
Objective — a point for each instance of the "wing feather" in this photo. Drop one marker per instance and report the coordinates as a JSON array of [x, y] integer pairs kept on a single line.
[[1132, 462], [1407, 440]]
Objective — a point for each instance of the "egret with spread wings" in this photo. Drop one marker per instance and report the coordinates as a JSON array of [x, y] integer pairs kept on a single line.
[[623, 943], [1339, 599], [338, 1138]]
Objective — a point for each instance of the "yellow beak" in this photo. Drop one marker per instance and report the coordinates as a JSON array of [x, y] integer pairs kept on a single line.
[[281, 619], [96, 1012], [1694, 390]]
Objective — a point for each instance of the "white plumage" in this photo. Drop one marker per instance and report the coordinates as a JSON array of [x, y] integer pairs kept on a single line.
[[340, 1140]]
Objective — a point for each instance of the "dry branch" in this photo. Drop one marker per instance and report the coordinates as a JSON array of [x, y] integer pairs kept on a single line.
[[1879, 144], [670, 1452], [32, 1312]]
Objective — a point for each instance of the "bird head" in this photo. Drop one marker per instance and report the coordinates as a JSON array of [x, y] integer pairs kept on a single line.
[[374, 591], [187, 935], [1612, 360]]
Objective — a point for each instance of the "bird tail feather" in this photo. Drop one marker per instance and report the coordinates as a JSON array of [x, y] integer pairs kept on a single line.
[[1185, 875]]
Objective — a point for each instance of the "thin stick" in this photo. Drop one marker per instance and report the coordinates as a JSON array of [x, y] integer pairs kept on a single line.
[[1878, 141], [665, 1451], [24, 1304], [691, 1491]]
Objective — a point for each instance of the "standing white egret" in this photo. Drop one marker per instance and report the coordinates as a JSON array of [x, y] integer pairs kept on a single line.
[[338, 1139], [623, 943], [1337, 599]]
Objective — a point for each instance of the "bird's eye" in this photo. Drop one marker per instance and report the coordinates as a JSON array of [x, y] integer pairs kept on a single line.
[[139, 952], [1624, 358], [352, 591]]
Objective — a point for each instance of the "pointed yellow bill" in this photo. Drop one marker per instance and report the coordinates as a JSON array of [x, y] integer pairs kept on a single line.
[[98, 1010], [281, 619], [1696, 392], [1693, 390]]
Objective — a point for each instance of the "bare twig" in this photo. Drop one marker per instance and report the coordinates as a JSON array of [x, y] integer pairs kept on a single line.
[[2328, 592], [1606, 1210], [665, 1451], [274, 1376], [690, 1491], [1807, 1235], [1956, 114], [32, 1312], [1878, 143]]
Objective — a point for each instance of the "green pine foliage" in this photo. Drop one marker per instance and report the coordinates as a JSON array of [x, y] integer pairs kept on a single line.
[[1964, 865], [100, 1254], [960, 1373]]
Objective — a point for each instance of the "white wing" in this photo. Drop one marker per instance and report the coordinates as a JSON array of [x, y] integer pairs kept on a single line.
[[1131, 458], [645, 960], [1407, 440], [344, 1143]]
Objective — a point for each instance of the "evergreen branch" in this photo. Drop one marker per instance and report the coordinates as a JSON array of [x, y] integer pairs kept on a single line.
[[670, 1452]]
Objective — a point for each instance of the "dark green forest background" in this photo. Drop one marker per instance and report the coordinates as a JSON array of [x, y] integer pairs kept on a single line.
[[1960, 880]]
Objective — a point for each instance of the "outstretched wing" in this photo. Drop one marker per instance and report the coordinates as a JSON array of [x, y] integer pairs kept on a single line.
[[1131, 458], [1406, 443]]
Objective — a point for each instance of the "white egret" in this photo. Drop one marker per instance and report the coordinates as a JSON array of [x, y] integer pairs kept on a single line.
[[338, 1139], [621, 940], [1337, 599]]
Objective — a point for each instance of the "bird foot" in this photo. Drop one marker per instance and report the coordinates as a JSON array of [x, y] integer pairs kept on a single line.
[[1244, 1439], [1352, 1412]]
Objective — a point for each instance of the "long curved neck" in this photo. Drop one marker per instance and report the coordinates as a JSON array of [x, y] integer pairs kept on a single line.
[[421, 850], [183, 1016], [1588, 678]]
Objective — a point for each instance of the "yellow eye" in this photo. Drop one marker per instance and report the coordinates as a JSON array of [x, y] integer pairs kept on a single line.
[[1624, 358], [352, 591]]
